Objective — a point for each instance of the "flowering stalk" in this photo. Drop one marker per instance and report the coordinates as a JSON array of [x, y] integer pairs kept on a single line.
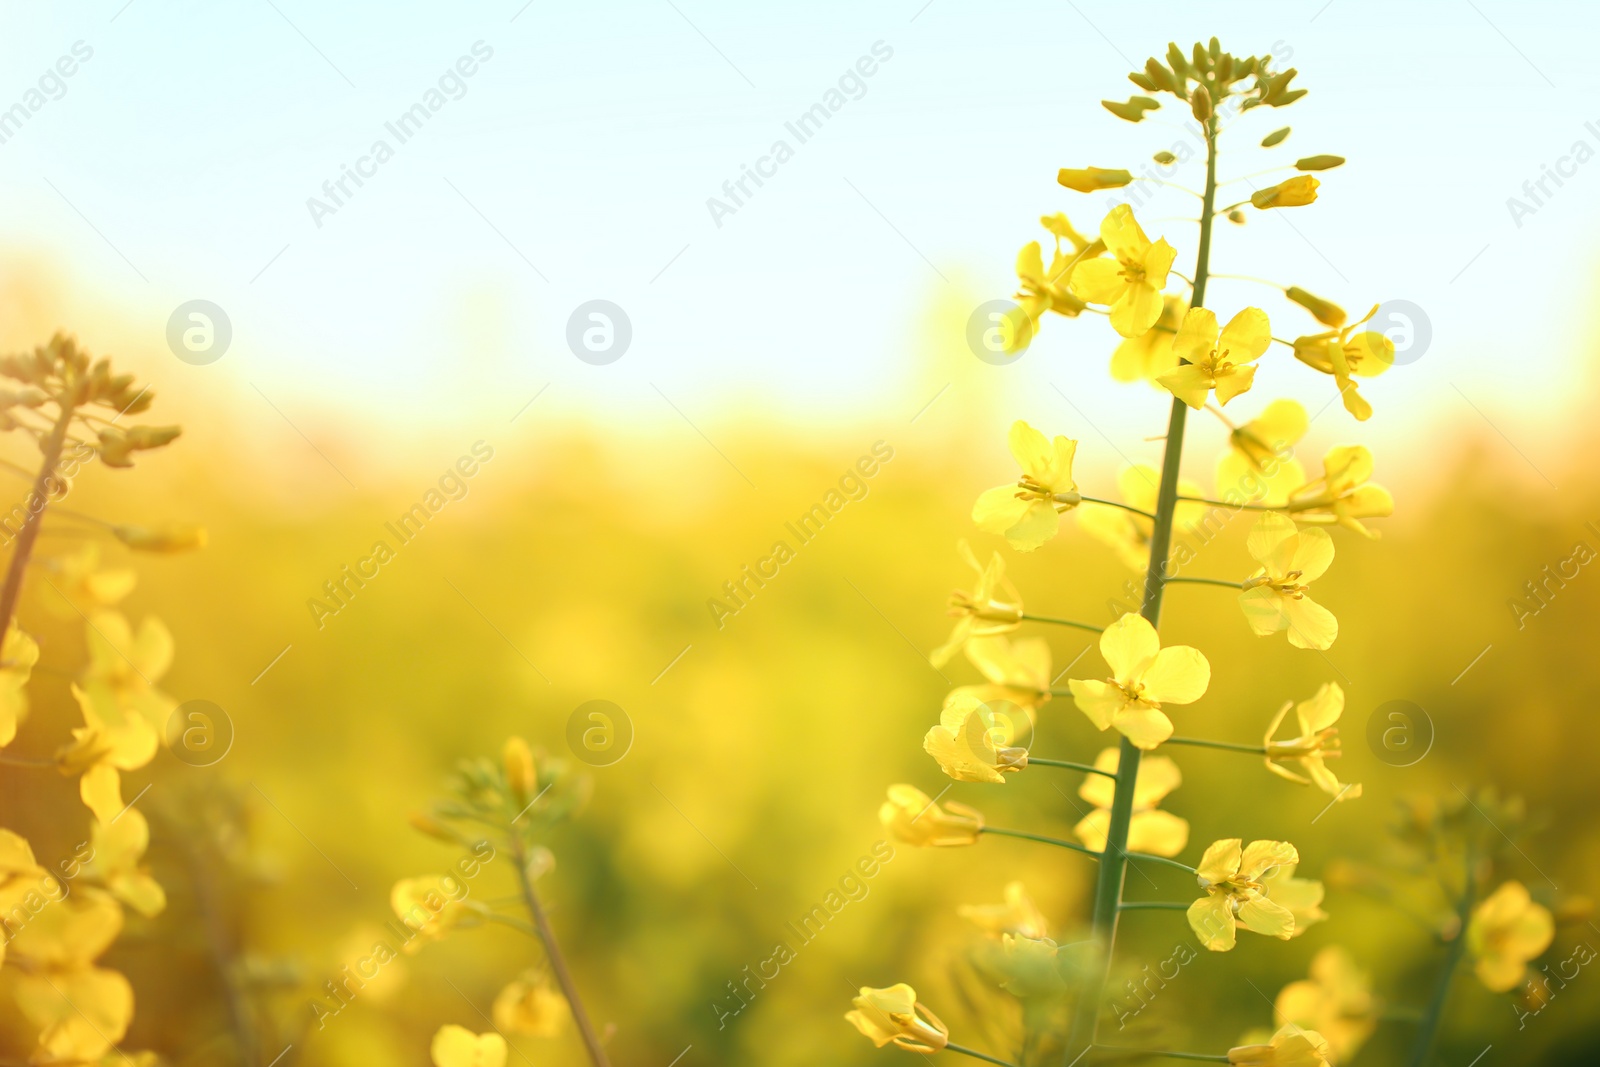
[[1428, 1031], [1114, 861], [51, 448], [558, 962]]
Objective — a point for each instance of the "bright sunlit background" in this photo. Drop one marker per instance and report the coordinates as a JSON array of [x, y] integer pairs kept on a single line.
[[828, 312]]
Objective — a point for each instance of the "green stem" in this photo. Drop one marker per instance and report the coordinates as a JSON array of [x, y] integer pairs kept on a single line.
[[558, 962], [1069, 765], [1063, 622], [50, 448], [975, 1054], [1115, 504], [1114, 863], [1428, 1029], [1226, 504], [1155, 905], [1024, 835], [1209, 1057], [1152, 858], [1200, 742], [1207, 581]]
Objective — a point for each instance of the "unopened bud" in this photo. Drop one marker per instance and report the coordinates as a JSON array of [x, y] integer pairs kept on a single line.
[[1200, 103], [1319, 163], [1296, 192], [1092, 179], [161, 538], [1325, 311], [520, 773]]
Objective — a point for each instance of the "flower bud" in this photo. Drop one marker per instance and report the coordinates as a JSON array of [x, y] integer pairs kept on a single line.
[[1275, 137], [1200, 103], [520, 773], [1319, 163], [1165, 158], [161, 538], [1236, 217], [1133, 110], [1092, 179], [427, 824], [1325, 311], [1296, 192]]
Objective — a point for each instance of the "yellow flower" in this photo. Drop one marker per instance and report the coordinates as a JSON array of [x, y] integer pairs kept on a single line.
[[1029, 511], [1027, 967], [891, 1015], [119, 846], [80, 1011], [20, 875], [1506, 931], [973, 743], [1149, 355], [530, 1006], [17, 659], [1217, 360], [1290, 1047], [1129, 534], [1144, 677], [1294, 192], [1236, 892], [1092, 179], [112, 739], [912, 817], [1259, 467], [1346, 357], [1151, 830], [456, 1046], [993, 607], [84, 586], [1318, 741], [1302, 896], [1336, 1002], [1131, 282], [1277, 596], [1343, 495], [124, 667], [1040, 291], [432, 905], [1018, 671], [1018, 915]]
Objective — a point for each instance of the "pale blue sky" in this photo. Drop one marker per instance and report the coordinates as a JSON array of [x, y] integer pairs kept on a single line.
[[586, 148]]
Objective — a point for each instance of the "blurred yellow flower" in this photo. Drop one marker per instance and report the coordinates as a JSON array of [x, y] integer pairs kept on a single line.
[[1149, 355], [119, 846], [1236, 892], [1506, 931], [1318, 741], [530, 1006], [1259, 467], [1344, 495], [1289, 1047], [911, 816], [1348, 355], [125, 666], [1217, 360], [993, 607], [1336, 1002], [83, 584], [112, 739], [20, 876], [1130, 283], [891, 1015], [456, 1046], [17, 659], [1144, 677], [432, 905], [1017, 915], [972, 742], [1277, 596], [81, 1011], [1293, 192], [1129, 534], [1028, 512], [1151, 830]]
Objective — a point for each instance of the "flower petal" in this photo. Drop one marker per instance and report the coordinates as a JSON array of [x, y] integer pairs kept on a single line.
[[1211, 918], [1177, 675], [1129, 646]]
